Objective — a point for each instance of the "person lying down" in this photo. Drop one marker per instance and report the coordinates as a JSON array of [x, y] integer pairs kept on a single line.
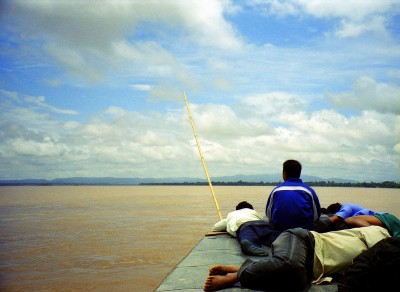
[[300, 255]]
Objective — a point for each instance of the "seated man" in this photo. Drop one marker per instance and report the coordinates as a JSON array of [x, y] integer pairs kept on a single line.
[[299, 255], [292, 203]]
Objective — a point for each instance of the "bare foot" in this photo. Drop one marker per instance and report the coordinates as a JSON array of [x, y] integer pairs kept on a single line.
[[222, 270], [214, 283]]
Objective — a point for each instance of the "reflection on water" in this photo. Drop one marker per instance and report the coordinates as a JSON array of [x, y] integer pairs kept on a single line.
[[122, 238]]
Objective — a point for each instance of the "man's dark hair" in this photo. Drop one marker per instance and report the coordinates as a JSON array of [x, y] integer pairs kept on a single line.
[[333, 208], [292, 168], [243, 205]]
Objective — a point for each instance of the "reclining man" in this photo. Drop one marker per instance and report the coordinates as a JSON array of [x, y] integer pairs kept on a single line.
[[299, 255]]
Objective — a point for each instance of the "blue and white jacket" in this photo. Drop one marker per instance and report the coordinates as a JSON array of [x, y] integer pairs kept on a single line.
[[293, 204]]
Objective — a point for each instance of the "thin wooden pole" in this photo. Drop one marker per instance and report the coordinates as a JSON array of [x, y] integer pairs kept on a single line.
[[201, 156]]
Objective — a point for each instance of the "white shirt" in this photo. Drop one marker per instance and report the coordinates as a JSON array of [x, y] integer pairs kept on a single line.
[[235, 219]]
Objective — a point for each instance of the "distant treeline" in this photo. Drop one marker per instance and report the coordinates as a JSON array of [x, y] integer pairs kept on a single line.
[[385, 184]]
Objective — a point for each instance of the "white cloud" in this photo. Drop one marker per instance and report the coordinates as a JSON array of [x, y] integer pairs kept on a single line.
[[141, 87], [275, 108], [32, 111], [116, 111], [76, 62], [356, 9], [374, 25], [350, 9], [281, 129], [368, 94], [151, 138], [41, 102], [166, 92], [124, 143], [150, 55], [99, 130], [53, 82], [397, 148], [37, 149], [116, 143], [87, 39], [216, 121], [10, 95], [205, 19], [272, 104], [356, 17]]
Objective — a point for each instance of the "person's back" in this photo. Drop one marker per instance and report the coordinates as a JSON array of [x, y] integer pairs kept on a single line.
[[348, 210], [292, 203]]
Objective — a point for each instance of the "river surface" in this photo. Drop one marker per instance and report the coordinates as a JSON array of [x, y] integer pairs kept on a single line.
[[123, 238]]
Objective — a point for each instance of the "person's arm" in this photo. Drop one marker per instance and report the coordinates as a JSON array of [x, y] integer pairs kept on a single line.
[[317, 205], [268, 207], [363, 221], [335, 218], [345, 211], [364, 212], [220, 225]]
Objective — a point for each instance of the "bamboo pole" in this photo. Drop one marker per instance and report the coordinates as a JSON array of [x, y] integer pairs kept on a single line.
[[202, 157]]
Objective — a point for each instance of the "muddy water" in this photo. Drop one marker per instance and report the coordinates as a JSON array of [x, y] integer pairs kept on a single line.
[[96, 238]]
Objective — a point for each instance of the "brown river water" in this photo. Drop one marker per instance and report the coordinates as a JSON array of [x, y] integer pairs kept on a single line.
[[123, 238]]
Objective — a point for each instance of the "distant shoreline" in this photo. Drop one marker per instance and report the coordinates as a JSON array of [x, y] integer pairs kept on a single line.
[[385, 184]]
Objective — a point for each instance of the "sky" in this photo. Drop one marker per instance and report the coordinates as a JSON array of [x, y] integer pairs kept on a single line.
[[96, 88]]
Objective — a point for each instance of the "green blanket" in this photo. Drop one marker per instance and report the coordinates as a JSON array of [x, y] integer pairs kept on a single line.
[[392, 223]]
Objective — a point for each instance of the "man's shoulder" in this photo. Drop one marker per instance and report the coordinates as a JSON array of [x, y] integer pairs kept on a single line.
[[295, 183]]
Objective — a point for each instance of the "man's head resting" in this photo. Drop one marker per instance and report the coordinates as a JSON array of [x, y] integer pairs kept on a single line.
[[243, 205]]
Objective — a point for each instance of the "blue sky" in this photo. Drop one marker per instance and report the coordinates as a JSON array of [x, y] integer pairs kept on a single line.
[[95, 88]]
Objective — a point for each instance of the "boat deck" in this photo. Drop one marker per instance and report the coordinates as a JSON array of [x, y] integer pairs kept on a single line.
[[213, 249]]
